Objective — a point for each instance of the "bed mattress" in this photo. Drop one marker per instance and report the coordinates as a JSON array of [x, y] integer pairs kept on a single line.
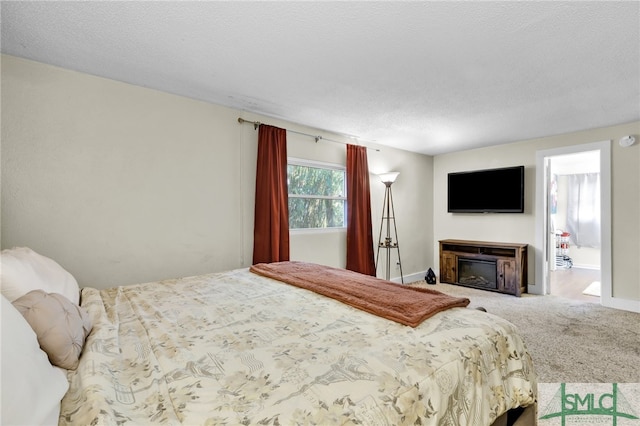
[[237, 348]]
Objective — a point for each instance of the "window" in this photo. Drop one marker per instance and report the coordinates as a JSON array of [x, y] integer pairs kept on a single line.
[[317, 195]]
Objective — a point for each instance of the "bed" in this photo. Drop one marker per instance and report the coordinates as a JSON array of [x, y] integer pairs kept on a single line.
[[237, 347]]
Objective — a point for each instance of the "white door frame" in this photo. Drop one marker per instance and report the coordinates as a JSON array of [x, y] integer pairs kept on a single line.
[[542, 226]]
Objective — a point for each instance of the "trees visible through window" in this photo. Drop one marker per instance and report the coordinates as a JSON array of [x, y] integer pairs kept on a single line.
[[317, 195]]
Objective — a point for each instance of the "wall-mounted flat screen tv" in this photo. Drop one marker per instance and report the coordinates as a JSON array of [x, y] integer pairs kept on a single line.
[[486, 191]]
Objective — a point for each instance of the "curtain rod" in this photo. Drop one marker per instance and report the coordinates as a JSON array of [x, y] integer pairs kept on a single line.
[[257, 124]]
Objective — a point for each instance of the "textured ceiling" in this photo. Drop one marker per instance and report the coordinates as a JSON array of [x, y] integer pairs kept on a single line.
[[429, 77]]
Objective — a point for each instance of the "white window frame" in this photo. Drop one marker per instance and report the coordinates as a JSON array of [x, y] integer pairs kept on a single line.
[[319, 165]]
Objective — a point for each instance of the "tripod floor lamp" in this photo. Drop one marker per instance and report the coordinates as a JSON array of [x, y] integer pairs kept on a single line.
[[388, 216]]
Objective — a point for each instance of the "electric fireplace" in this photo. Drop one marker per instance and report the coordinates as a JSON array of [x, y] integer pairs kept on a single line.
[[486, 265]]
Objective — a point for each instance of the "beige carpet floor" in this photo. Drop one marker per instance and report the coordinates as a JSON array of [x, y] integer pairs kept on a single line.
[[569, 341]]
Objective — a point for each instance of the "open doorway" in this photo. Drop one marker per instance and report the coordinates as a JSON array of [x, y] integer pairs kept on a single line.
[[546, 229], [574, 226]]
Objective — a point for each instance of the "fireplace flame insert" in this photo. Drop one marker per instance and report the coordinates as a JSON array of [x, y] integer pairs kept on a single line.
[[477, 273]]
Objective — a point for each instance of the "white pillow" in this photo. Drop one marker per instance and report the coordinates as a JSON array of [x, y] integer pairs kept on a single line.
[[24, 270], [31, 387]]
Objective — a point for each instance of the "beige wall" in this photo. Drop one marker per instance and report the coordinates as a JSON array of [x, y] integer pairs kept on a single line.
[[123, 184], [625, 194]]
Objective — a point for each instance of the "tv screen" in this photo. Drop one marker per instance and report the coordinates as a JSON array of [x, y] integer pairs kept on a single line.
[[486, 191]]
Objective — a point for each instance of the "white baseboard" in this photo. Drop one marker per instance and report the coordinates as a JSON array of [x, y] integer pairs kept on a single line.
[[618, 303], [409, 278], [611, 302]]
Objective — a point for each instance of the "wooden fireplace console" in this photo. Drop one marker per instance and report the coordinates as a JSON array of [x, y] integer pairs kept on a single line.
[[510, 260]]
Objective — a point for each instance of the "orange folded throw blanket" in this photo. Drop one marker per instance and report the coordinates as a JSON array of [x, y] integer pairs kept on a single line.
[[403, 304]]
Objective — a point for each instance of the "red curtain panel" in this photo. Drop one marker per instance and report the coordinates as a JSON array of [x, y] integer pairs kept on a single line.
[[359, 224], [271, 225]]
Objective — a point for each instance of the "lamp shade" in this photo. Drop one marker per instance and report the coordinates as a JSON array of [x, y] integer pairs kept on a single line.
[[388, 177]]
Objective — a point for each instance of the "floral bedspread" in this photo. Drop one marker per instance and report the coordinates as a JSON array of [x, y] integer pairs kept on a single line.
[[236, 348]]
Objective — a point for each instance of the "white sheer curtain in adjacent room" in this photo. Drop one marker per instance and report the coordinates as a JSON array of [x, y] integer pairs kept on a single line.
[[583, 209]]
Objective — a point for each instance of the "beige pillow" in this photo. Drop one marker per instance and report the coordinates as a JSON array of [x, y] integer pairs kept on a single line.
[[61, 326]]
